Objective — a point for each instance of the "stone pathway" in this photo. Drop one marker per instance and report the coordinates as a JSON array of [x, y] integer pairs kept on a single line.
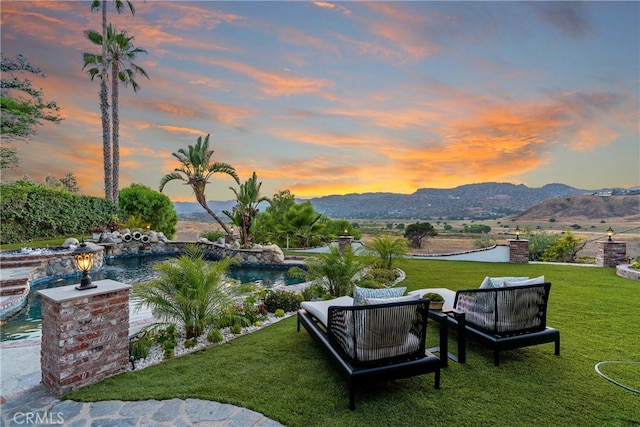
[[38, 407]]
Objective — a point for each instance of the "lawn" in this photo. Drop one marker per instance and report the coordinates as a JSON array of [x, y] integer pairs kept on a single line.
[[283, 374]]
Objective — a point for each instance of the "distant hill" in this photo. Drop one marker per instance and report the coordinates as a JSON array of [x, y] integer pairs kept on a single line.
[[474, 201], [585, 207]]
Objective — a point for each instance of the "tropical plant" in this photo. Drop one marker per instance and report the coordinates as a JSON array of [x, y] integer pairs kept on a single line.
[[301, 222], [120, 53], [387, 249], [267, 226], [196, 170], [153, 208], [334, 228], [104, 95], [189, 291], [334, 270], [244, 212], [22, 106], [418, 232]]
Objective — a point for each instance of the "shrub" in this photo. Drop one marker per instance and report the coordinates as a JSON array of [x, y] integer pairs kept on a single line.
[[376, 278], [212, 236], [284, 300], [155, 208], [139, 346], [315, 291], [168, 353], [236, 328], [191, 342], [214, 336], [279, 312], [188, 290]]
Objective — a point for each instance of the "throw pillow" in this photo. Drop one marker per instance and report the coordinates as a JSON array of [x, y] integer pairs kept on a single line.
[[485, 301], [359, 294], [535, 281], [411, 297]]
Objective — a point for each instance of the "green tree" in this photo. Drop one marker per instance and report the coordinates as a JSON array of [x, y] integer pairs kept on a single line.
[[539, 243], [268, 224], [196, 170], [243, 214], [477, 228], [302, 223], [335, 271], [189, 291], [565, 249], [387, 249], [154, 208], [22, 107], [120, 55], [104, 94], [418, 232]]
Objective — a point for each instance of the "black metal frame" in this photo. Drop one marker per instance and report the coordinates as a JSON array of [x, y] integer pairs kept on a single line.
[[496, 329]]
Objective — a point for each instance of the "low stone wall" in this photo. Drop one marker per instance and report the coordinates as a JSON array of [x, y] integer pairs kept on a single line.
[[625, 270]]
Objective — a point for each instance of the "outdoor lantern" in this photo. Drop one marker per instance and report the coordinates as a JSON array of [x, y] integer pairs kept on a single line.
[[610, 233], [84, 260], [346, 230], [517, 230]]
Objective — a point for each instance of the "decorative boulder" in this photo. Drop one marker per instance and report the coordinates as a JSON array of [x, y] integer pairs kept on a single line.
[[70, 241]]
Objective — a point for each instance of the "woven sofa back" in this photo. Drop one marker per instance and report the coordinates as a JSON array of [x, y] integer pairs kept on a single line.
[[509, 310], [380, 333]]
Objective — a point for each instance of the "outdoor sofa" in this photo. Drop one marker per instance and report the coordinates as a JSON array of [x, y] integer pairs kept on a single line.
[[382, 339], [504, 313]]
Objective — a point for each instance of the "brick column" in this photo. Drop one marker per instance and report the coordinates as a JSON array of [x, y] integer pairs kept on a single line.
[[610, 254], [85, 335], [343, 242], [519, 251]]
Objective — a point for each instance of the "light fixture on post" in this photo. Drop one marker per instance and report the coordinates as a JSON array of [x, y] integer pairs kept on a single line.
[[609, 234], [83, 256], [345, 231], [517, 231]]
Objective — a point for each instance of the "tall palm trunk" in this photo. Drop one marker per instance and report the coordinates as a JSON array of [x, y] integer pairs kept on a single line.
[[200, 197], [104, 108], [106, 142], [115, 140]]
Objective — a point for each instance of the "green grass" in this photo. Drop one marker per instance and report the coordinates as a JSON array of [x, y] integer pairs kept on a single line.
[[58, 241], [286, 376]]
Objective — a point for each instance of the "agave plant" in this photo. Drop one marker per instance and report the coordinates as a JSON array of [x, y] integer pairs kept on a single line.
[[189, 291]]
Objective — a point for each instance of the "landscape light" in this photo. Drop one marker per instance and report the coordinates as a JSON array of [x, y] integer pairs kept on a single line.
[[517, 231], [610, 233], [83, 256]]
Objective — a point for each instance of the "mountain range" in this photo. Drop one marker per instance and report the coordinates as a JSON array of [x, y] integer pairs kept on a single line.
[[473, 201]]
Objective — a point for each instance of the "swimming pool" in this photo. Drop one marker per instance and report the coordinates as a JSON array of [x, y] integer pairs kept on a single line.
[[27, 324]]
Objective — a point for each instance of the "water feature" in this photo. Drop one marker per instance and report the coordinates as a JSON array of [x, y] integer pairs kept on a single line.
[[131, 270]]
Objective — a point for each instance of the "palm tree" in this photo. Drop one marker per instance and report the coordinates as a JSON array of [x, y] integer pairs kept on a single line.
[[188, 290], [120, 55], [196, 170], [303, 222], [335, 270], [104, 94], [245, 211], [387, 249]]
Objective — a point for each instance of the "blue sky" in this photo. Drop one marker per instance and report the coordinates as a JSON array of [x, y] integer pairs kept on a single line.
[[350, 97]]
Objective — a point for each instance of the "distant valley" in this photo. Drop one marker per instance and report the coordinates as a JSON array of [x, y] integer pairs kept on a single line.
[[473, 201]]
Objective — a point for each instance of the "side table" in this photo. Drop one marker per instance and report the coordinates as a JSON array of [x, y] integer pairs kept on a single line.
[[442, 317]]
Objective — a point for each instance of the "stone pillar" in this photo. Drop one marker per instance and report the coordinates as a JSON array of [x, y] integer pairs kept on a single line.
[[344, 242], [610, 254], [85, 335], [519, 251]]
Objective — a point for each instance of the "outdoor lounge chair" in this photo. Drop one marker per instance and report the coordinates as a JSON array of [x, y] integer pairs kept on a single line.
[[370, 343]]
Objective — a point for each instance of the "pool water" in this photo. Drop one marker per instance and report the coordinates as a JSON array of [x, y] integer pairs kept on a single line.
[[27, 324]]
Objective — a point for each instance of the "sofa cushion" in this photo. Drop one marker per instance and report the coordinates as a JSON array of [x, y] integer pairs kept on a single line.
[[320, 309], [359, 294]]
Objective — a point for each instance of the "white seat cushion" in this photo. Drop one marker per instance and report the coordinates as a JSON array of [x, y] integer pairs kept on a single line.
[[320, 309]]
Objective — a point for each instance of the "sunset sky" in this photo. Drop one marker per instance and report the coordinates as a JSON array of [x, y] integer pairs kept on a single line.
[[349, 97]]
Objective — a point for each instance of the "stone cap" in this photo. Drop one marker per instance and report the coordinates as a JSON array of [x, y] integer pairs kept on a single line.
[[66, 293]]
